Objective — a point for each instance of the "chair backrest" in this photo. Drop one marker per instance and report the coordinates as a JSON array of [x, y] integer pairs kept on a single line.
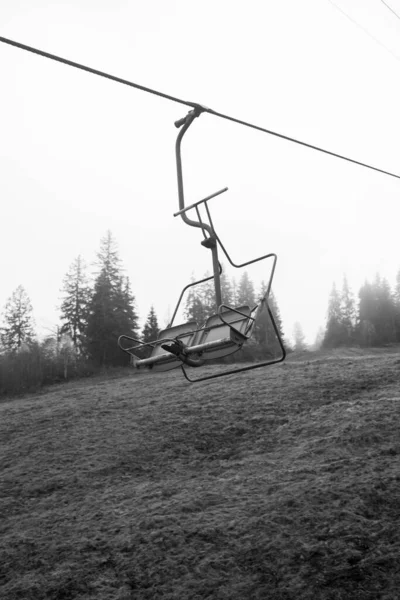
[[219, 329], [215, 329]]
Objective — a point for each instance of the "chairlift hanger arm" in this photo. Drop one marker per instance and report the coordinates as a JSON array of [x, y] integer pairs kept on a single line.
[[184, 124], [209, 242]]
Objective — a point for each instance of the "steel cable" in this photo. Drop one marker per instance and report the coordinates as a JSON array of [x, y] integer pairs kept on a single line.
[[194, 105]]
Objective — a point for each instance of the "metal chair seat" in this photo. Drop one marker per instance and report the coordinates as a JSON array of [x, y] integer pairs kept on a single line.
[[160, 359], [222, 336]]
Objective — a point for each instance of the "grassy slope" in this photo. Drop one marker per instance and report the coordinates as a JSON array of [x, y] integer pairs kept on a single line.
[[282, 483]]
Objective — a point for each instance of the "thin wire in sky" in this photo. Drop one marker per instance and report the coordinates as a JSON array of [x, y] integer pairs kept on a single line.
[[193, 105], [357, 24], [391, 9]]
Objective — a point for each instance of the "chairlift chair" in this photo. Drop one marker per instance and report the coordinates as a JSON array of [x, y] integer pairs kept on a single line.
[[193, 344]]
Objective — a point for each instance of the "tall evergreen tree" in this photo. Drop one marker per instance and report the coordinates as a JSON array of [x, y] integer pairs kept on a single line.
[[126, 316], [200, 303], [385, 322], [264, 332], [245, 291], [299, 337], [18, 321], [319, 339], [234, 292], [226, 289], [74, 308], [206, 293], [151, 328], [396, 296], [366, 315], [377, 313], [348, 313], [112, 307], [334, 334], [194, 308], [396, 293]]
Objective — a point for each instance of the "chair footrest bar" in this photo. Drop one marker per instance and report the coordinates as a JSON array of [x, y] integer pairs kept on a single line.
[[217, 344], [152, 360]]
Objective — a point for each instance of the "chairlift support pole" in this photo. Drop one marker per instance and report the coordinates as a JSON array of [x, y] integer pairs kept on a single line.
[[209, 242]]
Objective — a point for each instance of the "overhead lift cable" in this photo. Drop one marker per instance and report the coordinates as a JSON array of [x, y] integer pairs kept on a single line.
[[357, 24], [391, 9], [194, 105]]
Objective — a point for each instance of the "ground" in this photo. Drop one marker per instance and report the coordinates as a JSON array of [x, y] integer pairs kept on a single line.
[[281, 483]]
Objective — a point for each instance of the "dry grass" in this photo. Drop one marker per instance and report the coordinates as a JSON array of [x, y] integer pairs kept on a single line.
[[282, 484]]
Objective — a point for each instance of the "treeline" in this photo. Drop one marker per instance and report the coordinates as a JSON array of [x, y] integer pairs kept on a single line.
[[94, 312], [373, 321]]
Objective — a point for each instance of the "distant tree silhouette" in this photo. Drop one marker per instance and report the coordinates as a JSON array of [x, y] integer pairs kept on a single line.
[[226, 289], [206, 293], [385, 322], [264, 331], [298, 337], [396, 299], [194, 306], [347, 315], [75, 304], [377, 313], [111, 309], [151, 328], [245, 291], [319, 339], [366, 315], [334, 333], [18, 329]]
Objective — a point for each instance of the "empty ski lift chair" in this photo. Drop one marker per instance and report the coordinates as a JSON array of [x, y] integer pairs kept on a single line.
[[193, 344]]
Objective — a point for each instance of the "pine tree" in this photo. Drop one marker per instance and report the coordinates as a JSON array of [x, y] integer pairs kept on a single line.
[[335, 332], [366, 315], [151, 328], [226, 289], [348, 313], [377, 313], [385, 323], [264, 332], [396, 296], [396, 293], [234, 292], [194, 309], [74, 307], [206, 293], [298, 337], [126, 316], [245, 291], [18, 321], [319, 339], [112, 308]]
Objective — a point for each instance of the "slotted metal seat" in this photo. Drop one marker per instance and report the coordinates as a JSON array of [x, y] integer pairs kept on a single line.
[[160, 359], [222, 335]]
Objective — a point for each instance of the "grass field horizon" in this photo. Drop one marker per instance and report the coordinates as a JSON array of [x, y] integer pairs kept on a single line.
[[280, 483]]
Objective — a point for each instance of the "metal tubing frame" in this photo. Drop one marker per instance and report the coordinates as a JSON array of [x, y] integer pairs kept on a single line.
[[205, 227], [251, 367], [183, 293], [185, 124]]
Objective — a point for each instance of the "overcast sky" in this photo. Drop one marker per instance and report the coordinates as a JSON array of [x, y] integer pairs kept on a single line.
[[80, 155]]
